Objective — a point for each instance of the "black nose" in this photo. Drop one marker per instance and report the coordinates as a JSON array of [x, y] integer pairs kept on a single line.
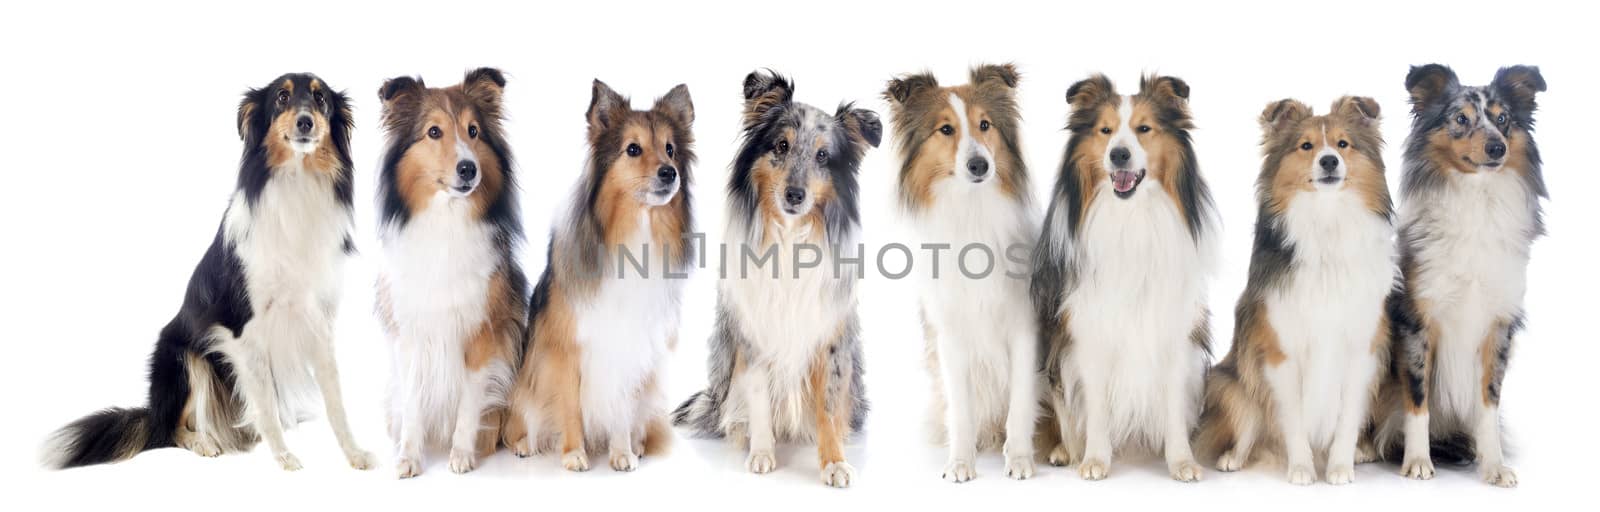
[[1329, 162], [667, 174], [1120, 157], [1495, 149], [466, 170], [978, 166], [794, 195], [304, 124]]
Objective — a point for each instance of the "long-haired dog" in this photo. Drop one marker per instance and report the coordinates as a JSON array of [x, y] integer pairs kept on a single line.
[[252, 340], [1310, 329], [963, 183], [785, 356], [1468, 218], [451, 295], [1120, 277], [598, 338]]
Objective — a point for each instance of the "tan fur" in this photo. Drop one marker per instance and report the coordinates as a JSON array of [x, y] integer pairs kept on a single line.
[[428, 167], [832, 418]]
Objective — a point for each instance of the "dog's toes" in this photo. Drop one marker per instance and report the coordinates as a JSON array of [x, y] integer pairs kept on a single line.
[[407, 467], [359, 459], [1093, 469], [623, 461], [288, 461], [1186, 471], [1499, 476], [1060, 456], [838, 474], [1229, 462], [1340, 474], [575, 461], [1302, 475], [959, 470], [1020, 467], [462, 461], [761, 462], [1418, 468]]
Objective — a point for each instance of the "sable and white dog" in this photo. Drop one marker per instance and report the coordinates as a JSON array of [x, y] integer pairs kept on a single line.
[[964, 185], [452, 296], [1311, 330], [1120, 277], [253, 340], [785, 357], [598, 338], [1468, 218]]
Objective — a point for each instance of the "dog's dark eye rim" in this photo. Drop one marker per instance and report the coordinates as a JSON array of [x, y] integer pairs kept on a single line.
[[1105, 130], [434, 132], [669, 150], [947, 130], [472, 132], [1144, 128], [634, 150], [1344, 144], [1306, 146], [822, 155], [283, 95], [782, 147], [983, 125], [1461, 119], [321, 101]]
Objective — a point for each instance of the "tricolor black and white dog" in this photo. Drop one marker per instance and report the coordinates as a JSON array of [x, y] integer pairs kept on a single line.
[[1468, 218], [253, 339]]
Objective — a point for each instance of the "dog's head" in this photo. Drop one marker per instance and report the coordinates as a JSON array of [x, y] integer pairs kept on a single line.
[[1337, 152], [1122, 140], [444, 144], [297, 119], [965, 133], [638, 158], [1475, 129], [797, 163]]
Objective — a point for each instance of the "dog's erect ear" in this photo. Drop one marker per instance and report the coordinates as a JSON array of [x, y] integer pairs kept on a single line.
[[605, 107], [762, 92], [399, 88], [248, 113], [1005, 73], [1282, 114], [485, 87], [1090, 92], [677, 105], [1359, 109], [902, 89], [861, 124], [1168, 91], [1429, 83], [1519, 84]]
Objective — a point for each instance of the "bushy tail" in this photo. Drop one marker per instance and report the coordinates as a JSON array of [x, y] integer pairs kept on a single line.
[[701, 413], [111, 435], [1216, 426]]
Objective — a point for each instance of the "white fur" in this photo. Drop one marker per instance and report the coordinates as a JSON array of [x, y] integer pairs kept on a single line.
[[438, 269], [1327, 315], [290, 243]]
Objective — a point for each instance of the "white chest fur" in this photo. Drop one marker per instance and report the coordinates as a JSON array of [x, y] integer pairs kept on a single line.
[[787, 319]]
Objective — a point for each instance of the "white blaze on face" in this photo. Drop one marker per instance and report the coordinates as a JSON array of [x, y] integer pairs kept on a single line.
[[1125, 136], [967, 147]]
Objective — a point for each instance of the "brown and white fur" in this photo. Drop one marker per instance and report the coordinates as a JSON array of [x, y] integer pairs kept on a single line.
[[1120, 276], [963, 183], [1468, 218], [604, 316], [1311, 331], [451, 294]]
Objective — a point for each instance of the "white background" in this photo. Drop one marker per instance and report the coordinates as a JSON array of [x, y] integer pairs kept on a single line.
[[120, 152]]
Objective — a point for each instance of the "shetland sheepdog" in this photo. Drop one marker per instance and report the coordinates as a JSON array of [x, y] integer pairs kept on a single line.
[[1311, 332], [785, 357], [963, 183], [598, 338], [1120, 277], [1469, 214], [253, 339], [451, 294]]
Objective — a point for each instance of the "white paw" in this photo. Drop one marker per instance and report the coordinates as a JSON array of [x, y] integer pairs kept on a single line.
[[1230, 461], [462, 461], [575, 461], [1093, 469], [1341, 474], [1019, 467], [359, 459], [1061, 456], [959, 471], [203, 446], [1499, 475], [1185, 471], [1302, 474], [623, 461], [288, 461], [838, 474], [407, 467], [761, 462], [1419, 468], [1365, 453]]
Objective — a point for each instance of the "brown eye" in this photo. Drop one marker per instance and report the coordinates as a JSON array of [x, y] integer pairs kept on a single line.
[[283, 96], [782, 148], [1343, 144], [1106, 130], [669, 150], [472, 132], [634, 150], [434, 132], [321, 101], [983, 126], [1144, 128], [947, 130], [1306, 146], [822, 155]]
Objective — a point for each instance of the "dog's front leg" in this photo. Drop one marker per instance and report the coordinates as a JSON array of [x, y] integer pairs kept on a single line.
[[753, 383], [327, 374], [469, 418], [959, 419], [1022, 413], [1284, 380]]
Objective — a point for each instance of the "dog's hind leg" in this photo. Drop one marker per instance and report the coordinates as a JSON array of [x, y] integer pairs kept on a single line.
[[254, 374]]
